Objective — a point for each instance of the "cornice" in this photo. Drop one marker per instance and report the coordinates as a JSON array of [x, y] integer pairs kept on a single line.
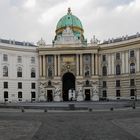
[[121, 44], [19, 48]]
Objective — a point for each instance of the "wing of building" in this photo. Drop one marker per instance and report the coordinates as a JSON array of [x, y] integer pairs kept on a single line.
[[70, 68]]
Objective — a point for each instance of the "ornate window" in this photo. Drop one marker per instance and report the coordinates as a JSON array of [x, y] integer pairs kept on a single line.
[[33, 74], [104, 71], [19, 59], [19, 94], [118, 93], [132, 53], [33, 85], [5, 94], [5, 85], [19, 85], [19, 72], [104, 84], [33, 95], [5, 71], [118, 69], [50, 59], [132, 82], [50, 66], [32, 60], [104, 94], [5, 57], [117, 56], [132, 92], [132, 68], [117, 83]]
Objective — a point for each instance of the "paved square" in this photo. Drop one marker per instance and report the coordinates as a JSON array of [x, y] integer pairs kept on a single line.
[[17, 130], [98, 125]]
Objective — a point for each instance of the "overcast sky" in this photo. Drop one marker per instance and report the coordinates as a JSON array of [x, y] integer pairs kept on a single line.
[[29, 20]]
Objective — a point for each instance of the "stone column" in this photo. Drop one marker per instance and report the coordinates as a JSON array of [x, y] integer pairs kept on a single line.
[[96, 59], [40, 66], [55, 65], [123, 62], [59, 65], [109, 64], [92, 64], [81, 65], [137, 59], [44, 66], [77, 64], [113, 66], [100, 67], [126, 62]]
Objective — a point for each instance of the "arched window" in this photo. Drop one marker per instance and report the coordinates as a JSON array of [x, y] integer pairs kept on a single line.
[[19, 72], [118, 70], [33, 74], [132, 68], [104, 71], [5, 71]]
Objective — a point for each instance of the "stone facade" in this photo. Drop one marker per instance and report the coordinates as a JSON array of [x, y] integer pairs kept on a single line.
[[70, 59], [70, 69]]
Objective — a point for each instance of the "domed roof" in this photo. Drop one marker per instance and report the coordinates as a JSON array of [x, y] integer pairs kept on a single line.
[[71, 21]]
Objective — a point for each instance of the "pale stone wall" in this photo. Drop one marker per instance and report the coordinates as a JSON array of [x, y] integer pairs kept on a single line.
[[13, 52]]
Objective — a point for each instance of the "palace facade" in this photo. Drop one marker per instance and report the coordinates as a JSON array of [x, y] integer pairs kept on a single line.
[[70, 68]]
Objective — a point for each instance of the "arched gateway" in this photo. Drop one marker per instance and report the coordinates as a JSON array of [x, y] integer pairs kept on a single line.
[[68, 81]]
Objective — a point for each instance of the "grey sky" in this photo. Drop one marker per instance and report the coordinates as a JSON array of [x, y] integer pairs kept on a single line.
[[30, 20]]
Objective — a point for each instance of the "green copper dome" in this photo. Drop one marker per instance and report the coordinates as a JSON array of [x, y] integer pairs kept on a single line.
[[69, 29], [71, 21]]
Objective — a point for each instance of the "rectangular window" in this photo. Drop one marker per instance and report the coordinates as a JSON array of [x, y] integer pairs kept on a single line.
[[117, 56], [132, 92], [19, 59], [104, 84], [32, 60], [5, 94], [50, 59], [132, 82], [132, 53], [104, 57], [33, 85], [5, 57], [117, 83], [104, 94], [19, 94], [118, 94], [19, 85], [5, 85], [33, 95]]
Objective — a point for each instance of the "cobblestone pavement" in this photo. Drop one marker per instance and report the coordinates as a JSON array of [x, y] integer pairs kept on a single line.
[[98, 125]]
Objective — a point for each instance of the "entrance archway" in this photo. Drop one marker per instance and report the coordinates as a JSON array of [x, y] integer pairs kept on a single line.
[[68, 81]]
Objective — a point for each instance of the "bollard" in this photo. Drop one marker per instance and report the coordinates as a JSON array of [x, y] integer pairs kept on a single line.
[[45, 110], [90, 109], [22, 110], [71, 106], [111, 109]]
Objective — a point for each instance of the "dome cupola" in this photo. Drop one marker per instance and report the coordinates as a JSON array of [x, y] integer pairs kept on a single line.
[[69, 25]]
